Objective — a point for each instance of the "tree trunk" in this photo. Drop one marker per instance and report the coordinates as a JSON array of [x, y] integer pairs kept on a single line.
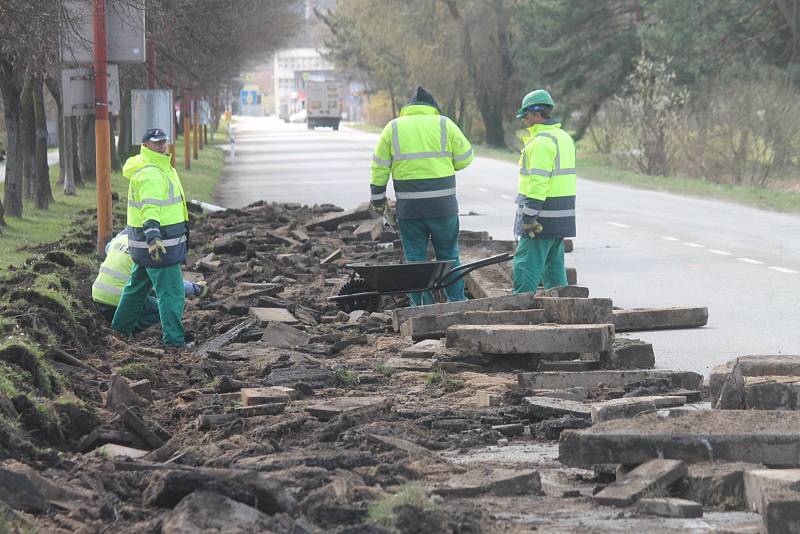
[[77, 175], [28, 140], [11, 113], [69, 157], [115, 165], [124, 143], [52, 85], [43, 193], [86, 149]]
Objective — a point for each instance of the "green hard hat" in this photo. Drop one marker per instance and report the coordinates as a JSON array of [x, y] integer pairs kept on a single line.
[[538, 97]]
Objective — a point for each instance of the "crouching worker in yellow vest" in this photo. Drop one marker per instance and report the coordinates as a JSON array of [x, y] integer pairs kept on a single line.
[[113, 277], [157, 239], [546, 197]]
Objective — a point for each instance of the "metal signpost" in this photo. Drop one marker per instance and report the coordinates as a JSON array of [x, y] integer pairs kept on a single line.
[[151, 108]]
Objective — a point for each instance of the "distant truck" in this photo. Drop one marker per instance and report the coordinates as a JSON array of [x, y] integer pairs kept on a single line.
[[324, 104]]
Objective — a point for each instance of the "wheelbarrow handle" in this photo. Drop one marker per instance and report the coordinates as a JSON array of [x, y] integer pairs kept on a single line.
[[457, 273]]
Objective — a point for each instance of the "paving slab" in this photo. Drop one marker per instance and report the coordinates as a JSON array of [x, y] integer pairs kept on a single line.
[[576, 394], [272, 408], [427, 348], [572, 366], [753, 365], [627, 407], [670, 507], [530, 339], [411, 364], [653, 474], [565, 310], [331, 408], [718, 485], [550, 408], [264, 316], [771, 438], [369, 230], [612, 379], [428, 327], [522, 301], [572, 291], [281, 335], [485, 399], [780, 512], [772, 393], [500, 482], [112, 450], [330, 221], [255, 396], [758, 483], [642, 319]]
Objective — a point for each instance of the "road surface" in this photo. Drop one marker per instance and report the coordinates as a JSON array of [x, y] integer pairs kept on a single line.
[[640, 248], [52, 159]]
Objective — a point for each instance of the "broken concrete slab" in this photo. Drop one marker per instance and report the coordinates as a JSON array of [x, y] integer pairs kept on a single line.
[[612, 379], [315, 378], [499, 482], [550, 408], [369, 230], [143, 389], [717, 485], [335, 255], [249, 290], [430, 327], [670, 507], [331, 221], [772, 393], [283, 336], [732, 394], [780, 511], [759, 482], [530, 339], [654, 474], [272, 408], [564, 310], [551, 429], [771, 438], [628, 354], [344, 405], [427, 348], [570, 366], [205, 511], [485, 399], [254, 396], [752, 366], [630, 406], [121, 394], [410, 364], [576, 292], [410, 447], [576, 394], [264, 316], [642, 319], [522, 301], [209, 421]]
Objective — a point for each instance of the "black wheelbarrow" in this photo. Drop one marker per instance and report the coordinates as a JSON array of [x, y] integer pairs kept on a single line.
[[371, 281]]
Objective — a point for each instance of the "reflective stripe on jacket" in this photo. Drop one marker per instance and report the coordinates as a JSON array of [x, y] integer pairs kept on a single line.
[[421, 150], [547, 181], [114, 273], [156, 208]]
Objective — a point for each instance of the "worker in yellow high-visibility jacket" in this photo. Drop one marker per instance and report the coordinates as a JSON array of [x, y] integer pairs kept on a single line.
[[422, 150], [546, 197]]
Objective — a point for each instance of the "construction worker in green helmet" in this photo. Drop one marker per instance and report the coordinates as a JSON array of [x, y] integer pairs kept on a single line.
[[545, 197], [114, 274], [157, 239], [422, 150]]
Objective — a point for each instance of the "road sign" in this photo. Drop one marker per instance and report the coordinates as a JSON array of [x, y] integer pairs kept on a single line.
[[78, 91], [124, 26], [248, 98], [204, 112], [151, 108]]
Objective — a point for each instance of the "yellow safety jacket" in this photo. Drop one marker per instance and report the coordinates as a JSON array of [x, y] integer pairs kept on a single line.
[[421, 150], [547, 181], [114, 273], [156, 208]]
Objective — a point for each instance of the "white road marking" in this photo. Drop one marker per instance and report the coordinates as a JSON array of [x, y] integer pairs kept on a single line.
[[506, 197], [720, 252], [750, 260], [782, 270], [483, 190], [694, 245], [669, 238], [619, 225]]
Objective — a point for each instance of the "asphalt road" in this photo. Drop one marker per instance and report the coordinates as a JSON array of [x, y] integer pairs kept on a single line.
[[52, 159], [641, 248]]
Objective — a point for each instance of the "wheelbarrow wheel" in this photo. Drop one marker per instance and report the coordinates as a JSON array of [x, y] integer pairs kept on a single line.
[[357, 285]]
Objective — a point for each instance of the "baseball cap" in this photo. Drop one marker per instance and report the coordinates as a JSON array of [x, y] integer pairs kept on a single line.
[[154, 134]]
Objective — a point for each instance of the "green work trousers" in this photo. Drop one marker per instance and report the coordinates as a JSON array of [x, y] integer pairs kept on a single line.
[[168, 285], [443, 232], [148, 315], [540, 259]]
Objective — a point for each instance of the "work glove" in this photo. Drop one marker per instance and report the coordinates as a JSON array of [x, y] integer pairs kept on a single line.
[[156, 248], [531, 227], [380, 207], [201, 289]]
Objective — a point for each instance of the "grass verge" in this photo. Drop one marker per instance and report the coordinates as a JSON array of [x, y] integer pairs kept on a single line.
[[45, 226]]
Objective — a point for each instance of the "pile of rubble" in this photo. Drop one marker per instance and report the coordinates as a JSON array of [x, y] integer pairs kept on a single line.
[[501, 413]]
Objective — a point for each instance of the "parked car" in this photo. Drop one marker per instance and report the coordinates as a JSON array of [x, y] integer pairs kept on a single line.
[[300, 116]]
